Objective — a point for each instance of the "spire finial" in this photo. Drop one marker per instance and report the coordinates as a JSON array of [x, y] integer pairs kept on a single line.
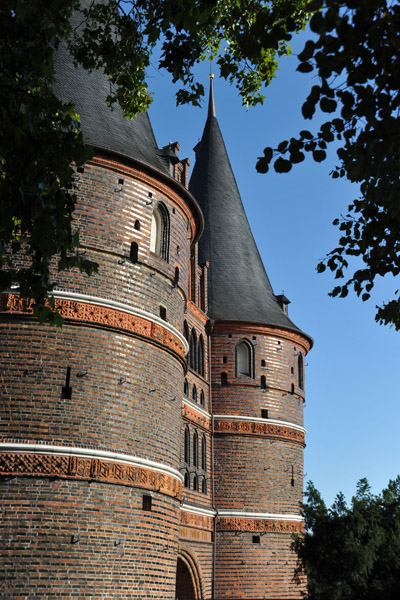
[[211, 104]]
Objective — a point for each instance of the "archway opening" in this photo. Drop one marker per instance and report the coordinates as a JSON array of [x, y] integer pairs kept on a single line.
[[185, 589]]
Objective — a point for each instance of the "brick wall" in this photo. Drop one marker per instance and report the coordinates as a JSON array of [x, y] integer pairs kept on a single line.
[[67, 539], [258, 470]]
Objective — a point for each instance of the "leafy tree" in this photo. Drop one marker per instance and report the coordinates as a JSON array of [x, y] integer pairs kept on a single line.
[[355, 58], [40, 139], [352, 552]]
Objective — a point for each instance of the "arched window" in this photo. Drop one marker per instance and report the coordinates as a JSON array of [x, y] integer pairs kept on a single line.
[[200, 360], [263, 382], [186, 331], [195, 449], [194, 393], [300, 370], [195, 483], [187, 480], [187, 445], [193, 350], [186, 387], [204, 453], [244, 358], [202, 398], [204, 486], [224, 379], [159, 234]]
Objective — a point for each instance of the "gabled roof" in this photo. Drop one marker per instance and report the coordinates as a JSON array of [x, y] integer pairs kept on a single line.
[[238, 285]]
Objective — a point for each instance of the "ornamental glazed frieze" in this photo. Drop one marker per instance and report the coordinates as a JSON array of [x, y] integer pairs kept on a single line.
[[259, 429], [77, 467], [195, 416], [259, 525], [195, 520], [100, 315]]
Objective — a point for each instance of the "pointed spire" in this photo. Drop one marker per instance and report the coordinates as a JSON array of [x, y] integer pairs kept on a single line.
[[211, 103], [238, 285]]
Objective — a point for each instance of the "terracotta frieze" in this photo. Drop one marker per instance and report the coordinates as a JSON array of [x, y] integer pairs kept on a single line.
[[86, 312], [259, 525], [256, 429], [191, 519], [90, 469]]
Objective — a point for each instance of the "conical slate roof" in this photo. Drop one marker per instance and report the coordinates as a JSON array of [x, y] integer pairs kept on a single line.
[[238, 286], [103, 128]]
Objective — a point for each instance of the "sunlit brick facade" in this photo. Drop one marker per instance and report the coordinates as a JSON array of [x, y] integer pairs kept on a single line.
[[152, 447]]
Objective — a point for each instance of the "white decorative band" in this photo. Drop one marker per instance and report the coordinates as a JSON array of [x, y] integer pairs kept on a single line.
[[251, 515], [196, 407], [44, 448], [259, 420], [197, 510], [124, 308]]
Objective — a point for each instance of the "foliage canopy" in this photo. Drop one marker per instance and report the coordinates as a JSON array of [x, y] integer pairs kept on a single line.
[[352, 552], [356, 60]]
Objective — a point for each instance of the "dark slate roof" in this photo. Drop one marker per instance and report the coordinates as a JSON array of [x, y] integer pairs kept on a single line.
[[103, 128], [238, 288]]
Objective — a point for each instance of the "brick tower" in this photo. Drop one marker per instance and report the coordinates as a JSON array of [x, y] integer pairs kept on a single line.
[[152, 448], [257, 384], [91, 414]]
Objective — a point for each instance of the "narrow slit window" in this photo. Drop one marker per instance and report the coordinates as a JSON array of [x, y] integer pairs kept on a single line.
[[200, 357], [193, 350], [202, 402], [186, 388], [204, 453], [187, 480], [187, 445], [134, 252], [263, 382], [300, 371], [195, 449], [194, 393], [224, 379]]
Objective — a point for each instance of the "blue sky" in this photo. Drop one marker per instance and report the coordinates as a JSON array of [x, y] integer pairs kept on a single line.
[[353, 402]]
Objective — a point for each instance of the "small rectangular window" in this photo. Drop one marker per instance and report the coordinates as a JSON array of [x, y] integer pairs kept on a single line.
[[163, 313], [146, 503], [264, 413], [256, 539]]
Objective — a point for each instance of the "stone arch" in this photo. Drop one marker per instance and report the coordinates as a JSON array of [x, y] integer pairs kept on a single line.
[[188, 576]]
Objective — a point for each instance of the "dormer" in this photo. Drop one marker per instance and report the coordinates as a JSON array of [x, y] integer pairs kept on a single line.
[[283, 303]]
